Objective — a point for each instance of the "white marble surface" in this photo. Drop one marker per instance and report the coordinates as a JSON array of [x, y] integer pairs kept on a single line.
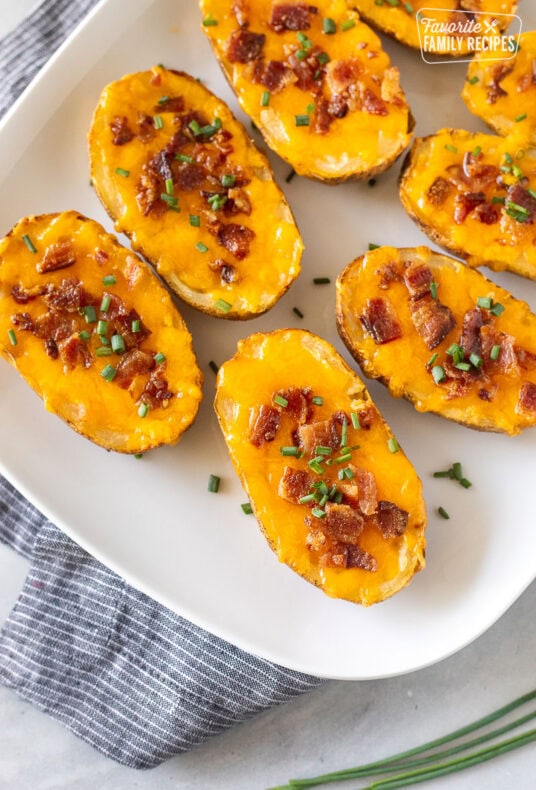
[[339, 725]]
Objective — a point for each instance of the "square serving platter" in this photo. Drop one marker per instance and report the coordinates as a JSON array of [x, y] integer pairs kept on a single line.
[[153, 521]]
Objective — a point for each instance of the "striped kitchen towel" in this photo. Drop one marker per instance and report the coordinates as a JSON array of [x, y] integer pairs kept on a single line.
[[124, 673]]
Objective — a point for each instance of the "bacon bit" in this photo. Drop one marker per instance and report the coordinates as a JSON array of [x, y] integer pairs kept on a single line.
[[373, 104], [388, 274], [288, 16], [57, 256], [432, 320], [342, 523], [245, 46], [305, 70], [299, 403], [121, 131], [392, 520], [145, 124], [507, 361], [325, 433], [51, 348], [123, 326], [366, 416], [473, 173], [391, 92], [58, 327], [148, 194], [240, 9], [342, 75], [237, 203], [526, 359], [439, 191], [101, 257], [470, 340], [322, 117], [264, 425], [380, 320], [498, 73], [156, 79], [357, 557], [486, 395], [134, 363], [234, 238], [418, 277], [272, 74], [170, 104], [361, 492], [68, 297], [527, 398], [294, 484], [74, 352], [465, 203], [525, 82], [522, 197], [22, 295], [156, 392], [315, 540], [226, 270], [24, 321], [190, 176], [487, 214]]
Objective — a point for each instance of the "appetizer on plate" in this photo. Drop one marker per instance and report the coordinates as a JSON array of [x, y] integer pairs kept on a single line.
[[441, 335], [316, 82], [398, 19], [475, 195], [503, 92], [95, 334], [179, 175], [334, 495]]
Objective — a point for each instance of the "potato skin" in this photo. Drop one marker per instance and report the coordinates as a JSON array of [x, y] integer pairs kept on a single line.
[[236, 275], [403, 365], [479, 244], [51, 356], [359, 144], [268, 362]]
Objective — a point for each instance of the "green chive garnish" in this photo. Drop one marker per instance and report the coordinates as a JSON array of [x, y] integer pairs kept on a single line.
[[212, 365], [462, 366], [228, 180], [373, 247], [344, 433], [355, 420], [138, 456], [103, 351], [433, 290], [90, 314], [158, 122], [105, 304], [318, 513], [495, 352], [302, 120], [473, 80], [265, 99], [201, 247], [432, 360], [315, 466], [143, 409], [342, 459], [209, 21], [457, 471], [438, 374], [498, 200], [317, 400], [475, 360], [393, 445], [348, 25], [328, 26], [195, 221], [213, 484], [169, 186], [497, 309], [521, 117], [477, 151], [465, 483], [297, 312], [508, 158], [222, 305], [246, 508], [109, 280], [290, 176], [451, 148], [102, 327], [27, 240], [322, 58], [323, 450], [12, 337], [84, 335], [485, 302], [304, 500], [184, 158], [121, 172], [118, 344], [321, 280], [159, 358], [109, 373], [135, 326], [443, 513], [283, 402], [290, 451]]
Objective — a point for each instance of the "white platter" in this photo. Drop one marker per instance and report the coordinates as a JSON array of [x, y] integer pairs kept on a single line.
[[153, 520]]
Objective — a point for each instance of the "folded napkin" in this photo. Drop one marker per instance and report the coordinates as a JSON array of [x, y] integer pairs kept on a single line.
[[127, 675]]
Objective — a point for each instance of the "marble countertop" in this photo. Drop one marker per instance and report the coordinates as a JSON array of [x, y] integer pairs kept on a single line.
[[339, 725]]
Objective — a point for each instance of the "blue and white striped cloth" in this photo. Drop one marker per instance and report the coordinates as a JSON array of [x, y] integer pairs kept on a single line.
[[127, 675]]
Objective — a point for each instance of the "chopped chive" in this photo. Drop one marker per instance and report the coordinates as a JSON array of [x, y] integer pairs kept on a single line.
[[122, 172], [290, 451], [323, 450], [195, 221], [438, 374], [222, 305], [163, 100], [355, 420], [169, 186], [393, 445], [508, 158], [246, 508], [290, 176], [302, 120], [338, 497], [497, 309], [184, 158], [342, 459], [194, 127], [102, 327], [159, 358], [451, 148], [104, 340], [265, 98], [457, 471], [318, 513], [213, 484], [109, 280], [158, 123], [498, 200], [118, 344], [297, 312], [372, 182], [443, 513], [90, 314], [210, 21], [373, 247], [108, 373], [103, 351], [315, 466], [12, 337], [477, 151], [217, 201], [393, 3], [433, 290], [348, 24], [27, 240], [432, 360], [283, 402], [323, 58], [135, 326], [201, 247], [521, 117], [485, 302], [348, 473], [138, 456], [505, 169], [475, 360], [228, 180], [317, 400], [310, 108], [171, 201], [84, 335], [212, 365], [443, 474], [304, 500], [462, 366], [495, 352], [105, 304], [408, 8], [321, 280], [328, 26], [344, 433], [465, 483], [517, 171], [473, 80]]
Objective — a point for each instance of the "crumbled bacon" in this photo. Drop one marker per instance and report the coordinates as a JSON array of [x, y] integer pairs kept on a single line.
[[299, 400], [527, 397], [240, 9], [485, 395], [342, 523], [145, 126], [342, 75], [68, 297], [494, 89], [507, 361], [361, 492], [373, 104], [101, 257], [465, 203], [54, 325], [322, 117], [134, 363], [418, 277], [392, 520], [73, 352], [234, 238], [272, 74], [366, 416], [264, 425], [388, 274], [380, 320], [291, 16], [148, 194], [324, 433], [190, 176], [528, 79], [391, 92], [470, 340], [294, 484], [356, 557], [170, 104], [51, 348], [57, 256], [122, 325], [245, 46], [432, 320], [439, 191], [227, 271], [487, 214], [121, 131], [237, 202], [526, 359], [306, 71], [522, 197], [156, 391], [24, 321], [22, 295]]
